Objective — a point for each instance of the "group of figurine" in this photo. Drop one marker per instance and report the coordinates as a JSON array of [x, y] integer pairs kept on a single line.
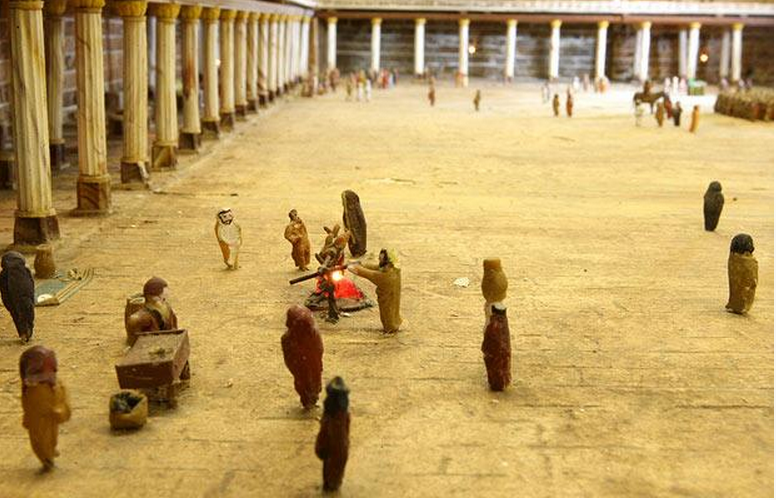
[[661, 105]]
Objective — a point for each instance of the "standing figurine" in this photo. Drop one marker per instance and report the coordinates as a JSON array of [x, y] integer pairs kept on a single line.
[[387, 277], [742, 274], [677, 114], [303, 353], [17, 289], [156, 313], [556, 105], [696, 117], [333, 440], [44, 401], [477, 99], [431, 93], [713, 201], [569, 103], [296, 234], [494, 284], [45, 267], [355, 222], [668, 107], [497, 349], [660, 114], [545, 92], [368, 90], [229, 235]]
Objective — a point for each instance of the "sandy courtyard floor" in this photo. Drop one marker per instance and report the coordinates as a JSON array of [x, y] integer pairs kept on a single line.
[[630, 378]]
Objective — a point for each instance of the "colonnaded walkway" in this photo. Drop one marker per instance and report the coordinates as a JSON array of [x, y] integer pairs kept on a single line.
[[630, 378]]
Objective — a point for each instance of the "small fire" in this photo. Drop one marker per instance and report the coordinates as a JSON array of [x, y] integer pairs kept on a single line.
[[336, 275]]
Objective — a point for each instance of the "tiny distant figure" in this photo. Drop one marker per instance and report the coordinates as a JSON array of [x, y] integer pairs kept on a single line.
[[431, 93], [675, 85], [696, 118], [575, 84], [639, 113], [682, 85], [349, 90], [368, 91], [669, 107], [660, 114], [585, 82], [556, 105], [678, 114], [569, 103], [713, 201], [477, 99], [546, 93], [395, 75], [18, 293], [667, 85]]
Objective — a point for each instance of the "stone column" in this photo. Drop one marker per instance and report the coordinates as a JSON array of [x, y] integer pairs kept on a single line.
[[263, 82], [294, 47], [210, 118], [637, 53], [93, 186], [55, 79], [376, 23], [190, 136], [692, 50], [240, 64], [252, 89], [134, 157], [304, 64], [554, 50], [288, 52], [600, 51], [463, 53], [226, 75], [272, 81], [281, 73], [314, 53], [164, 152], [643, 73], [420, 40], [331, 44], [35, 220], [735, 61], [509, 67], [151, 42], [724, 56], [683, 53]]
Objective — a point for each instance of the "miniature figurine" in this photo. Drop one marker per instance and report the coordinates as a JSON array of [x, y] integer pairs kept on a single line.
[[742, 274], [348, 89], [45, 267], [303, 354], [497, 349], [660, 114], [696, 117], [387, 277], [545, 92], [569, 103], [668, 107], [17, 289], [368, 90], [713, 201], [677, 114], [296, 234], [333, 440], [156, 313], [431, 93], [556, 105], [494, 284], [229, 235], [44, 401], [354, 221], [477, 99]]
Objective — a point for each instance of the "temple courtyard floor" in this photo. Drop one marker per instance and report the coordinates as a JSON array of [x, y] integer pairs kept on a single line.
[[630, 379]]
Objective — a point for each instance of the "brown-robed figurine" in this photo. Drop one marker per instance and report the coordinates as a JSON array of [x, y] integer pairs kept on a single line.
[[660, 114], [44, 401], [333, 440], [355, 222], [556, 105], [386, 275], [156, 313], [497, 349], [742, 274], [296, 234], [696, 118], [477, 99], [303, 353], [569, 103], [713, 201]]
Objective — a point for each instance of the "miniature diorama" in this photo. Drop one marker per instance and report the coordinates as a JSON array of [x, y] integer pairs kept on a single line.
[[229, 235], [497, 348], [713, 201], [17, 289], [303, 354], [44, 401], [742, 274], [153, 314], [296, 234], [333, 441]]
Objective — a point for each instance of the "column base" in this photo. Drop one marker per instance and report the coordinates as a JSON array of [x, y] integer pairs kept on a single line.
[[211, 129], [93, 194], [189, 142], [241, 112], [271, 96], [164, 157], [253, 106], [32, 231], [227, 121], [58, 157], [134, 173], [7, 162], [263, 100]]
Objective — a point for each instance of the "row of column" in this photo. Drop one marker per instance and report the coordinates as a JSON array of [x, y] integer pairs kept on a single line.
[[688, 56], [260, 55]]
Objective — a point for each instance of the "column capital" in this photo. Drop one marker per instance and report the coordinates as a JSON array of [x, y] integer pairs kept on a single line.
[[376, 21], [695, 26], [274, 18], [228, 15], [331, 20], [646, 25], [241, 16], [263, 17], [253, 16], [211, 13], [463, 22], [165, 11], [191, 12], [54, 8], [87, 5], [556, 23], [738, 26], [26, 4], [511, 22], [603, 24], [307, 19], [420, 21]]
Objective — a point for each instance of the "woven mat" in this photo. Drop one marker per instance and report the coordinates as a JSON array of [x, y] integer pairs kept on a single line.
[[54, 291]]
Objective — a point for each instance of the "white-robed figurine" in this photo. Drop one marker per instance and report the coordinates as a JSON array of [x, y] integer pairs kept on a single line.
[[229, 235]]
